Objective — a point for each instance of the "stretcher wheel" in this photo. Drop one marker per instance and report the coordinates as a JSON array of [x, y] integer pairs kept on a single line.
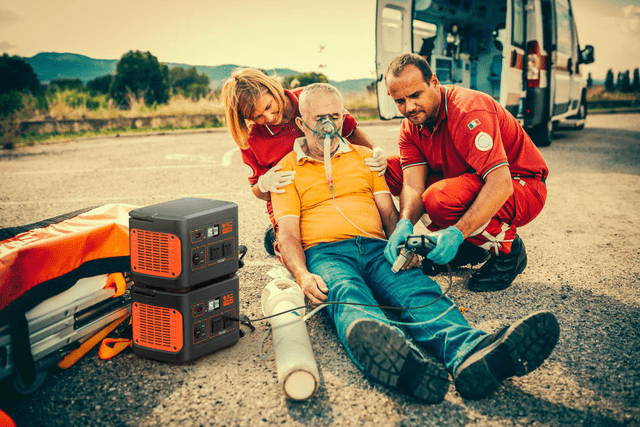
[[21, 388]]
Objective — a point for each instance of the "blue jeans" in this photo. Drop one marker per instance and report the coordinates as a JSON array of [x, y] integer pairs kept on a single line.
[[356, 270]]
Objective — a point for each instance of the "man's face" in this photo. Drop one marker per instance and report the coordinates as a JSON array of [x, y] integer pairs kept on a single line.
[[319, 105], [417, 101]]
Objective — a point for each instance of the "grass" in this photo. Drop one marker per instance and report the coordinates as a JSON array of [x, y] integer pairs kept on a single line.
[[76, 105], [32, 139], [70, 104]]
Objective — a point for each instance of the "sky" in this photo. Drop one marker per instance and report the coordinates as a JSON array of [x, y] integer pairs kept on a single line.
[[335, 37]]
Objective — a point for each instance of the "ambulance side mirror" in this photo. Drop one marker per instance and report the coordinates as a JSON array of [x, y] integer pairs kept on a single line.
[[586, 55]]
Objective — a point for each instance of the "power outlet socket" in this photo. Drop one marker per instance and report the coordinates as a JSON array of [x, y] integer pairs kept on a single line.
[[215, 252], [227, 249]]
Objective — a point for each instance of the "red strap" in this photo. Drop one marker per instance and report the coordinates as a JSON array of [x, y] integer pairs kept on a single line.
[[113, 346], [5, 420], [116, 281]]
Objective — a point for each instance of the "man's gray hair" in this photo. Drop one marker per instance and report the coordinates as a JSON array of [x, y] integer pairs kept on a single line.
[[315, 89]]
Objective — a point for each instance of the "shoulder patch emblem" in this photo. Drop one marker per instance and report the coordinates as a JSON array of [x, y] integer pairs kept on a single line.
[[473, 124], [484, 142]]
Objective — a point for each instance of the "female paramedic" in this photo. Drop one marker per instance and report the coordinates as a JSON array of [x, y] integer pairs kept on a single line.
[[260, 116]]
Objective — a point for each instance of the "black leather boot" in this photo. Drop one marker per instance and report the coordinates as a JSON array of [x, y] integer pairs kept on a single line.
[[500, 271], [469, 253], [269, 240]]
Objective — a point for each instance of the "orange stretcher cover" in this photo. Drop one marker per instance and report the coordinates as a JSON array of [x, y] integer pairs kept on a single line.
[[43, 254]]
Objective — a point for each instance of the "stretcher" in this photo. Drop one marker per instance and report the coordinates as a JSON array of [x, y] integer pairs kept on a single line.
[[61, 282], [59, 324]]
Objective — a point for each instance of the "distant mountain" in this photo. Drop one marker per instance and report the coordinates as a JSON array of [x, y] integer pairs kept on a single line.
[[50, 65]]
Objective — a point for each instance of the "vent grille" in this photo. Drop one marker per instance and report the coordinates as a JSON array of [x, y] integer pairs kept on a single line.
[[159, 328], [155, 254]]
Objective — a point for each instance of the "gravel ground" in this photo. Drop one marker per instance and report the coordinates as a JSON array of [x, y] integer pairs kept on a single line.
[[584, 253]]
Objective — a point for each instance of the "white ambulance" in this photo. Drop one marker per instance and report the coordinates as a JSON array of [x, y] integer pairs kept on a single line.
[[524, 53]]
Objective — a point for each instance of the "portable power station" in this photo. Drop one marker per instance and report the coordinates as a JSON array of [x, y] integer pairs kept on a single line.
[[182, 243], [179, 327], [184, 259]]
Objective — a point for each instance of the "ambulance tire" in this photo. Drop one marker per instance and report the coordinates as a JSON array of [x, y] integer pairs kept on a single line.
[[542, 134], [582, 112], [22, 389]]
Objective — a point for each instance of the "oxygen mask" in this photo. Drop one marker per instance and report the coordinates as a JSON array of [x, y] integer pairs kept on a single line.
[[325, 126]]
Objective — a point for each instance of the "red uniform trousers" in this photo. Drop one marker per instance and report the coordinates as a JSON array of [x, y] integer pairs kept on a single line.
[[446, 200]]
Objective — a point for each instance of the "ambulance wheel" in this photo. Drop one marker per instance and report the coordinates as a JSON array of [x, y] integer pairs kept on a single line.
[[542, 134], [582, 112], [21, 388]]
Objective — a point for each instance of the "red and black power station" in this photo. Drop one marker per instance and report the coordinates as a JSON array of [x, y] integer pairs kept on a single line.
[[184, 260]]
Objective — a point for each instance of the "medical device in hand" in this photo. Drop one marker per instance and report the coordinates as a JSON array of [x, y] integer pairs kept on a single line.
[[420, 244]]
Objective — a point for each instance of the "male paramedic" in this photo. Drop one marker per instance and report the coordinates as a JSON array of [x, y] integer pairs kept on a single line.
[[470, 166], [332, 222]]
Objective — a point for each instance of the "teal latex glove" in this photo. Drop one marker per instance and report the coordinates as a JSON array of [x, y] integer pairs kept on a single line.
[[404, 228], [447, 243]]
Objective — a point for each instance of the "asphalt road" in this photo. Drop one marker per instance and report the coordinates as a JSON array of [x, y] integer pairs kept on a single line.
[[584, 253]]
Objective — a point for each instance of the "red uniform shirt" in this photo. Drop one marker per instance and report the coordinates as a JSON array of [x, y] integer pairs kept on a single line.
[[269, 144], [473, 134]]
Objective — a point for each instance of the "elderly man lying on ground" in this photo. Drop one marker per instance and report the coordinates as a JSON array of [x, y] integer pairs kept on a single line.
[[333, 222]]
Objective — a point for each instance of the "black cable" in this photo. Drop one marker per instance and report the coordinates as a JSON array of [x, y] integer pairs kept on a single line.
[[313, 306]]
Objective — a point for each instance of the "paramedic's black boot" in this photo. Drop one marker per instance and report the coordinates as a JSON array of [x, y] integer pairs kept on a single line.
[[500, 271], [387, 356], [515, 350], [469, 253], [269, 240]]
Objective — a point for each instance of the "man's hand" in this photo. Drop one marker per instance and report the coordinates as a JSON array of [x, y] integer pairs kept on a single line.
[[412, 260], [404, 228], [447, 243], [313, 287], [377, 163], [272, 180]]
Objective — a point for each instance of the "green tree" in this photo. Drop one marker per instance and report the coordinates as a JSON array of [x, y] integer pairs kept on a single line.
[[307, 79], [17, 75], [100, 84], [62, 84], [635, 85], [609, 84], [626, 82], [188, 82], [17, 81], [140, 74]]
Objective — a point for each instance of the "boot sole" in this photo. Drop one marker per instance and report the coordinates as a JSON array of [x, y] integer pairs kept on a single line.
[[528, 342], [483, 288], [387, 357]]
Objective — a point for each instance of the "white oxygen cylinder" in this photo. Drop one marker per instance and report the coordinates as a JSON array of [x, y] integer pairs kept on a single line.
[[295, 362]]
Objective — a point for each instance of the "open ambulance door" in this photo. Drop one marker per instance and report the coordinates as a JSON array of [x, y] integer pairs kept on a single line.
[[512, 87], [393, 37]]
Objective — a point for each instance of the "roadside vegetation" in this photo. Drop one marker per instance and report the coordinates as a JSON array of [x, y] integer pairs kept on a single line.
[[618, 94], [143, 87]]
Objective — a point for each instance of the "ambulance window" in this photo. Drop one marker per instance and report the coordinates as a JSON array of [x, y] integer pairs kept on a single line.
[[392, 22], [564, 27], [518, 23], [423, 33]]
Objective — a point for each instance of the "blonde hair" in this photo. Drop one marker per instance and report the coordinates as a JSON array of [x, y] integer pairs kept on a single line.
[[240, 94]]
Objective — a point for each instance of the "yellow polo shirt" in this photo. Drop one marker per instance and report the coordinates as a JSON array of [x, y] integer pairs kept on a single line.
[[309, 196]]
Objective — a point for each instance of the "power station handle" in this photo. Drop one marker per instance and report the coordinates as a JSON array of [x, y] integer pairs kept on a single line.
[[147, 292], [142, 216]]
